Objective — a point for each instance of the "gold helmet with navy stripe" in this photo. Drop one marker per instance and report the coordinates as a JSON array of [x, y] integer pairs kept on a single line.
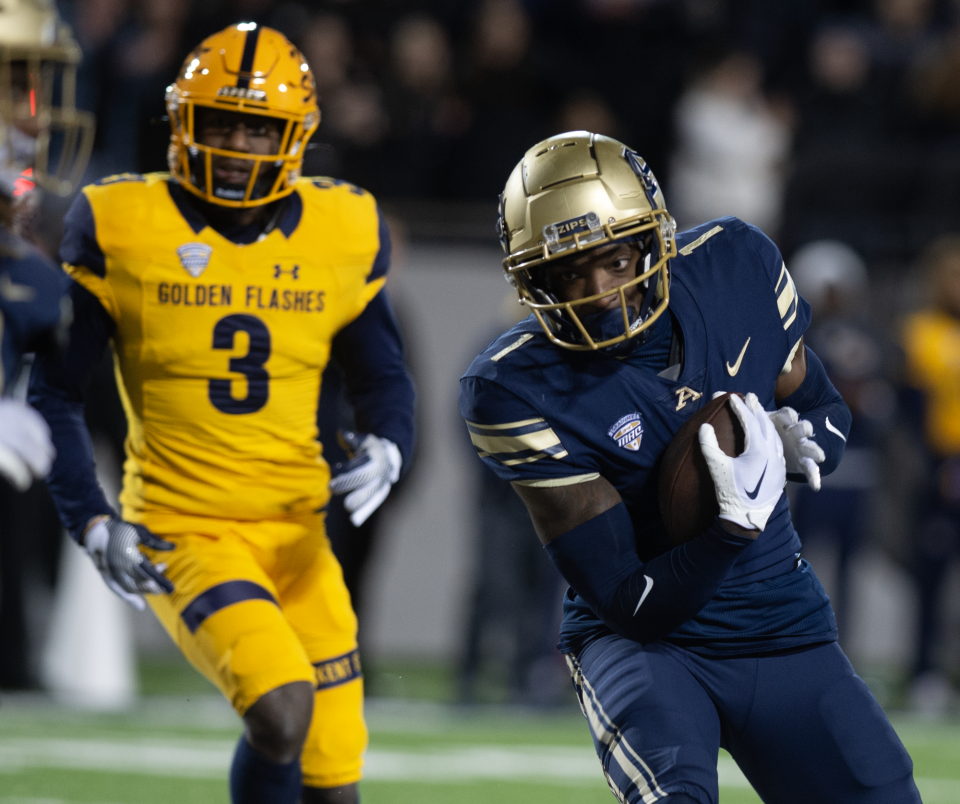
[[251, 70], [41, 130], [574, 192]]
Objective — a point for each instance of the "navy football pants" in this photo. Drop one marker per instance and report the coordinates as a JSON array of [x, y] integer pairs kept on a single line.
[[802, 726]]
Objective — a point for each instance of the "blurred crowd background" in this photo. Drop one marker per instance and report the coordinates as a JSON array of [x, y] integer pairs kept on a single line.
[[834, 125]]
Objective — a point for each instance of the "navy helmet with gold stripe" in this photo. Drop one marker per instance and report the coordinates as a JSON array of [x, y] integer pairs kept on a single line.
[[252, 70]]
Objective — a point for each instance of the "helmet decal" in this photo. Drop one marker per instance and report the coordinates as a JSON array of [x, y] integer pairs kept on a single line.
[[246, 60], [644, 173]]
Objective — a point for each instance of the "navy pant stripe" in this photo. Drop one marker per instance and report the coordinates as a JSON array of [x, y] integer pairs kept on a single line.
[[219, 597], [338, 670]]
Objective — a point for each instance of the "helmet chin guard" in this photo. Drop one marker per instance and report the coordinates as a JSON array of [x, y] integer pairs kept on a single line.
[[571, 193]]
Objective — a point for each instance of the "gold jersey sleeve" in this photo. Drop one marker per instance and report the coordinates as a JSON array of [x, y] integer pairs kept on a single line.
[[931, 342], [219, 348]]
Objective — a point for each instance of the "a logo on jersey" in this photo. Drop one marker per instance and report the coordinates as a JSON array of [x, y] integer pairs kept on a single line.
[[627, 432], [294, 272], [241, 92], [732, 370], [685, 395], [195, 257]]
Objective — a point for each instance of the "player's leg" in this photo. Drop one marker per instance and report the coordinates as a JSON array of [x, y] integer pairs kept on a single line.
[[316, 603], [656, 731], [266, 764], [811, 731], [225, 617]]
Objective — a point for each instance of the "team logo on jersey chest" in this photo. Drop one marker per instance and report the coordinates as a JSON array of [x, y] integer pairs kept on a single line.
[[627, 432], [194, 257]]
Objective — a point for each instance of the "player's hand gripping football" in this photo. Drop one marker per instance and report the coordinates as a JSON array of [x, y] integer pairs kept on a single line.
[[374, 466], [114, 546], [800, 450], [749, 485], [26, 452]]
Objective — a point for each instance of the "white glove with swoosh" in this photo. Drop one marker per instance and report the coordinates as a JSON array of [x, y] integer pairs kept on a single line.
[[749, 486], [800, 450]]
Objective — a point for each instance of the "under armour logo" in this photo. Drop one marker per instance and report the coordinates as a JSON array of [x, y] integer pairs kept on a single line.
[[685, 395], [278, 271]]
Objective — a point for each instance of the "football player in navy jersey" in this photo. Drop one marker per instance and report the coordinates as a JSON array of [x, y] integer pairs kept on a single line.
[[726, 640], [36, 51]]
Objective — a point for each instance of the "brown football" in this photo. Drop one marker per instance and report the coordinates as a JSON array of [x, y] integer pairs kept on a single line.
[[688, 501]]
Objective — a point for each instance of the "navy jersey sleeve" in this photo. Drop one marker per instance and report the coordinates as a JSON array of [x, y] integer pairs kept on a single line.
[[34, 307], [515, 440], [79, 245], [57, 387], [379, 388], [793, 309]]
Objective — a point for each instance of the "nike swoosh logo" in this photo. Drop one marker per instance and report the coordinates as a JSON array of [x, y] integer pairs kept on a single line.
[[833, 429], [646, 591], [753, 494], [732, 370]]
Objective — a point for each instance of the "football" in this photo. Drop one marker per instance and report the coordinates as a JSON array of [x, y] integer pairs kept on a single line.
[[688, 501]]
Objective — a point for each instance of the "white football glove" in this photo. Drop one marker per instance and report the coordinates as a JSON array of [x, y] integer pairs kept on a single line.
[[800, 450], [114, 546], [26, 451], [749, 486], [374, 466]]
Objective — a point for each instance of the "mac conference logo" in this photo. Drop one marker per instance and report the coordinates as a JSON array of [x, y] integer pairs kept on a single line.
[[627, 432], [194, 257]]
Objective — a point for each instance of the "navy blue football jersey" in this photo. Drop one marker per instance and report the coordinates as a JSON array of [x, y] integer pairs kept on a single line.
[[540, 415], [34, 306]]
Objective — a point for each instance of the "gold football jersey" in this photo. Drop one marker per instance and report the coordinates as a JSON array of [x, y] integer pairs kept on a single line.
[[932, 346], [219, 347]]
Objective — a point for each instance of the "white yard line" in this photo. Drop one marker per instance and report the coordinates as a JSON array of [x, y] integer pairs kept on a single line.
[[211, 759]]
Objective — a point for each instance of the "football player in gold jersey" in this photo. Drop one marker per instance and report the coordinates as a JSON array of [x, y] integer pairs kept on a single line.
[[225, 287]]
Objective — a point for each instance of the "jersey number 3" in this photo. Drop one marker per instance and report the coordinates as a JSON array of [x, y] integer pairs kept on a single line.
[[249, 365]]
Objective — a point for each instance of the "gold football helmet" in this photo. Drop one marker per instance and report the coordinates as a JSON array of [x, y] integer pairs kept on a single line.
[[253, 70], [38, 63], [573, 192]]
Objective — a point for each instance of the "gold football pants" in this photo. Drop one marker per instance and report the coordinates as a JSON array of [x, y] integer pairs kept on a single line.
[[257, 605]]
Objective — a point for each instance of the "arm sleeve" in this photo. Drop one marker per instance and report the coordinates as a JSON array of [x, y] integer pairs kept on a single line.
[[643, 601], [817, 401], [379, 388], [79, 245], [57, 386]]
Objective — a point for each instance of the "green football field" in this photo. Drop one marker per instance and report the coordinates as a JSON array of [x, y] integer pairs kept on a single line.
[[177, 747]]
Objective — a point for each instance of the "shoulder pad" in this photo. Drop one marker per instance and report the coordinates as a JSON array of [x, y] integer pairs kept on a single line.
[[120, 177], [326, 183]]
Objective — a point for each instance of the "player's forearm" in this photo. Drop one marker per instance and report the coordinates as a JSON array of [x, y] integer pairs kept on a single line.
[[72, 480], [817, 401], [643, 601], [57, 385], [379, 388]]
